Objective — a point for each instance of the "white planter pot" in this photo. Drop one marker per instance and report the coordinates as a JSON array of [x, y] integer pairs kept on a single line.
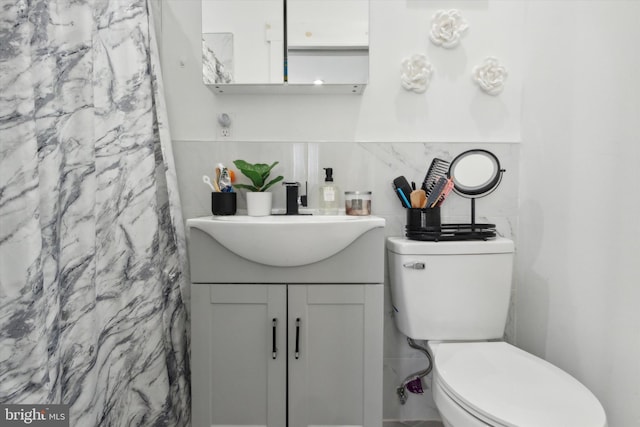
[[259, 203]]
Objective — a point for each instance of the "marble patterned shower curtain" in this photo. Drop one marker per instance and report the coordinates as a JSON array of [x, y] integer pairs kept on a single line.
[[93, 284]]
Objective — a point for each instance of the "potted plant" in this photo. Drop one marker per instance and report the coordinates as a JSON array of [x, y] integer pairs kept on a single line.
[[258, 199]]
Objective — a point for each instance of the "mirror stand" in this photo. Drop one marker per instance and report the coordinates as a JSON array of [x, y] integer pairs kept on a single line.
[[475, 173], [473, 214]]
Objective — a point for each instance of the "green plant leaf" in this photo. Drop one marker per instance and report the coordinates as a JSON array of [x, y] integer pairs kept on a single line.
[[267, 170], [241, 164], [255, 177], [253, 172], [273, 181]]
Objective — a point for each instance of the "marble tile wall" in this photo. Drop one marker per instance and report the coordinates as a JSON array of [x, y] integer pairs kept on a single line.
[[361, 166]]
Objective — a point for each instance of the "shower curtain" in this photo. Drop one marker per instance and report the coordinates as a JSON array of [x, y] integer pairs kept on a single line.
[[93, 284]]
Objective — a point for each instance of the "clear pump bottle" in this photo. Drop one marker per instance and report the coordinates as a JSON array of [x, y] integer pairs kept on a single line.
[[329, 195]]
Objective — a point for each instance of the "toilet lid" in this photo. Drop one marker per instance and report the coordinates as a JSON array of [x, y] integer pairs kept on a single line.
[[510, 387]]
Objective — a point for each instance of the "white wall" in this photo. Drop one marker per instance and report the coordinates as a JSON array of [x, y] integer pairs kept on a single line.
[[578, 292]]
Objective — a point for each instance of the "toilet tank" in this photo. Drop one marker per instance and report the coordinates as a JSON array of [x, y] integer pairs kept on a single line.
[[450, 290]]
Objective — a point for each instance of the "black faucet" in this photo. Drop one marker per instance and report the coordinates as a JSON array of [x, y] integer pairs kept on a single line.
[[293, 201]]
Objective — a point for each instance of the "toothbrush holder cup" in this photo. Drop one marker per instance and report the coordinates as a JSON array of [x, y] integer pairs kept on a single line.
[[223, 203]]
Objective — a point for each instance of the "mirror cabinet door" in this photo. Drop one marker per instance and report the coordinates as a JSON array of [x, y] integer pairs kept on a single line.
[[243, 41], [328, 41]]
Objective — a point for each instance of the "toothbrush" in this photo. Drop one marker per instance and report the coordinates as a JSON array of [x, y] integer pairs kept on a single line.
[[207, 181]]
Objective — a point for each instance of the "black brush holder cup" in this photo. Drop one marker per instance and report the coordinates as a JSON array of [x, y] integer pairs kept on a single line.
[[419, 220], [223, 203]]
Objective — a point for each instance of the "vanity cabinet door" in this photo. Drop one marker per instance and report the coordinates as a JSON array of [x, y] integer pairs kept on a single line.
[[238, 353], [335, 355]]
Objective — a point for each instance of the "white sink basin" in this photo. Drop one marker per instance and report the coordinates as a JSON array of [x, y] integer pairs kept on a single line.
[[285, 241]]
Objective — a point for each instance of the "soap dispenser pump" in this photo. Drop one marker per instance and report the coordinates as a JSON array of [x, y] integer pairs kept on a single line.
[[329, 195]]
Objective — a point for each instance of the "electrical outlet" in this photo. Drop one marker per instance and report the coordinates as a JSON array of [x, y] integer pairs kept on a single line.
[[224, 122]]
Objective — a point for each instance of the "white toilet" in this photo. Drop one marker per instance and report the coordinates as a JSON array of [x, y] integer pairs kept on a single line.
[[456, 296]]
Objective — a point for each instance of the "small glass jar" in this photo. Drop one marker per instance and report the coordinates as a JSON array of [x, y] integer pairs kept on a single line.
[[357, 203]]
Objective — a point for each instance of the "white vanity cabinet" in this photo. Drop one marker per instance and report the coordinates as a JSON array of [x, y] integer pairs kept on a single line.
[[294, 346], [249, 339]]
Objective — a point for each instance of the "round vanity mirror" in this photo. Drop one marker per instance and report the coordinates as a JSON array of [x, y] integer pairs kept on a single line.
[[475, 173]]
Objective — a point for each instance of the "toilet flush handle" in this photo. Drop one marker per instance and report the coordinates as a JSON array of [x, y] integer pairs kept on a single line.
[[415, 265]]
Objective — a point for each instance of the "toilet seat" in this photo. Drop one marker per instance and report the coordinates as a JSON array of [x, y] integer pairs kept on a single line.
[[505, 386]]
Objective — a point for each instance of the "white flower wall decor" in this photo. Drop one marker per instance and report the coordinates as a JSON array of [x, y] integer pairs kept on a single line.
[[490, 76], [416, 73], [447, 28]]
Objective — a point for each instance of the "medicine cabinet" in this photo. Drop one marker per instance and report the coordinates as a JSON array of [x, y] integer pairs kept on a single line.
[[285, 46]]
